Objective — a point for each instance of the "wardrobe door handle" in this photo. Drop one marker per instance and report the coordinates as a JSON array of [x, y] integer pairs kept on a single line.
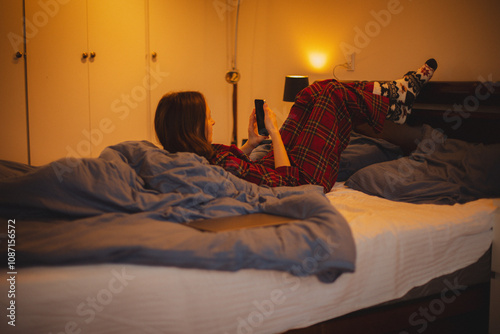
[[92, 55], [154, 55], [85, 55], [19, 55]]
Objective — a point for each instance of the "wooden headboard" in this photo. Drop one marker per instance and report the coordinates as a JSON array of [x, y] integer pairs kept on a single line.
[[466, 110]]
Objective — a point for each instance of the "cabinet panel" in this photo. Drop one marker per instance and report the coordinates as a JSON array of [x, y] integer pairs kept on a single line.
[[118, 90], [13, 124], [177, 34], [58, 98], [189, 38], [79, 105]]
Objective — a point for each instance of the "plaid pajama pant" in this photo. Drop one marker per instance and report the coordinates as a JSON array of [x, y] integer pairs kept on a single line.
[[319, 126]]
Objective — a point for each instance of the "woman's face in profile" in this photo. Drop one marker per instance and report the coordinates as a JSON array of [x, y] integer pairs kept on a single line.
[[209, 123]]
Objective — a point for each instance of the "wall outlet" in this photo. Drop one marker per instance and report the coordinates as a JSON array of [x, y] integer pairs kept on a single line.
[[350, 64]]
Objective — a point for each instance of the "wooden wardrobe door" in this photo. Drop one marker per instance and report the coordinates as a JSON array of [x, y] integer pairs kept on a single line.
[[119, 97], [58, 99], [189, 40], [13, 124]]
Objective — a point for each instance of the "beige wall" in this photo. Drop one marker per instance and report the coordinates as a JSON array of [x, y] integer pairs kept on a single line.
[[389, 37]]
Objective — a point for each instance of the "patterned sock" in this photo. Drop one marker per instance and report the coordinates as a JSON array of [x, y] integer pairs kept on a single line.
[[403, 92]]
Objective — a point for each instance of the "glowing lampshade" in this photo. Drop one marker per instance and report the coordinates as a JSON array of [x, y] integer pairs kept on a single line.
[[317, 60]]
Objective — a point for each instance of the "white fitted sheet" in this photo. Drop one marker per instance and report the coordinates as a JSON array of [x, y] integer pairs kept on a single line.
[[399, 246]]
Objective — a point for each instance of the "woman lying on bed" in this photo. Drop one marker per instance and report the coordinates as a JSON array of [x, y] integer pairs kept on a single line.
[[307, 148]]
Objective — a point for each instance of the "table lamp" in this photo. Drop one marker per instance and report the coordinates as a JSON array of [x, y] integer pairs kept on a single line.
[[293, 85]]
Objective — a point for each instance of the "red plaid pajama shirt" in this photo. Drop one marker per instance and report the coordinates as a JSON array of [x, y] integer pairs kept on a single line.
[[315, 133]]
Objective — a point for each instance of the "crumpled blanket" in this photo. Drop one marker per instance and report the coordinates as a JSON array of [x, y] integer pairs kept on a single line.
[[129, 206]]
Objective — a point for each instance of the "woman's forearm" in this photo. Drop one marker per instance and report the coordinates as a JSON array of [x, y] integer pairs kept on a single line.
[[280, 155]]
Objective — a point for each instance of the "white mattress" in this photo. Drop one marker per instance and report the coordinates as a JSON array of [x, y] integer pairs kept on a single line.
[[399, 246]]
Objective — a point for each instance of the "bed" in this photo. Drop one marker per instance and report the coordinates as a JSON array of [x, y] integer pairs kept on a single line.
[[377, 254]]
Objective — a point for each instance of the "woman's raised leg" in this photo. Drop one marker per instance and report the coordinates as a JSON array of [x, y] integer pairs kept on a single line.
[[320, 122]]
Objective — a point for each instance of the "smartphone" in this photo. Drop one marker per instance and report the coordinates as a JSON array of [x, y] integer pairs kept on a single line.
[[259, 113]]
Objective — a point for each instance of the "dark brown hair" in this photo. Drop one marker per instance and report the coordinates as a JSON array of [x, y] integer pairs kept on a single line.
[[180, 122]]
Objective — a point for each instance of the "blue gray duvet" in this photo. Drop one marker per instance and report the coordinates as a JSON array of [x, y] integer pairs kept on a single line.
[[129, 206]]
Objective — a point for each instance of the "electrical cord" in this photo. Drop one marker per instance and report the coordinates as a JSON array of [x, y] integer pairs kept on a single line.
[[345, 65]]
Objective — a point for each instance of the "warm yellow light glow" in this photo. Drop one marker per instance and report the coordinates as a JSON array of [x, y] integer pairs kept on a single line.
[[318, 60]]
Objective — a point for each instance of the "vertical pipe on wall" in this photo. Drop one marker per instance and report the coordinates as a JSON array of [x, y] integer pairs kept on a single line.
[[233, 77], [234, 137], [26, 84]]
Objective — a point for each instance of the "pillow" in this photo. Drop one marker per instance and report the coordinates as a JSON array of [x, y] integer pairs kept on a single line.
[[260, 151], [363, 151], [439, 171], [10, 169], [360, 152]]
